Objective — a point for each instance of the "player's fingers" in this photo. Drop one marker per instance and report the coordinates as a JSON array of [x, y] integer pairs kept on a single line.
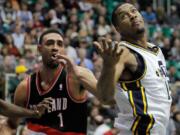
[[104, 43], [110, 46], [43, 106], [120, 51], [47, 100], [115, 47], [98, 47], [65, 58]]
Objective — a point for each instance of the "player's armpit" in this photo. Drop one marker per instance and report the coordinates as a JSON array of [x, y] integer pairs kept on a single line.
[[129, 59]]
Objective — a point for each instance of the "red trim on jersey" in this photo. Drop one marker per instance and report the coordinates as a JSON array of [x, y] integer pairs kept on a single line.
[[83, 99], [28, 90], [53, 82], [49, 131]]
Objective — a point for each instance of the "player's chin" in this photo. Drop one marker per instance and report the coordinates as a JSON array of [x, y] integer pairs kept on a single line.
[[53, 64], [140, 30]]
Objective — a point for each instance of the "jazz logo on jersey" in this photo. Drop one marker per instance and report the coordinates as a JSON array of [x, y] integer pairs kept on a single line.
[[162, 70], [60, 87]]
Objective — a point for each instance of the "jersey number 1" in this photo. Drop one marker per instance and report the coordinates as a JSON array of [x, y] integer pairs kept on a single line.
[[60, 120]]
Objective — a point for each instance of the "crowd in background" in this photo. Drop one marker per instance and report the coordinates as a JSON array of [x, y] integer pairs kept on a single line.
[[22, 21]]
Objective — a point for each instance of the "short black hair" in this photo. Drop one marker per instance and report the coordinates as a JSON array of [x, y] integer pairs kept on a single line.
[[114, 15], [47, 32]]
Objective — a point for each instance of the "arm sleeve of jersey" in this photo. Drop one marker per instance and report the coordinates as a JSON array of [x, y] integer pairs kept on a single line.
[[141, 66], [162, 57]]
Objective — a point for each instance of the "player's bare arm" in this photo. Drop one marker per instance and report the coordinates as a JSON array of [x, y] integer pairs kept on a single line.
[[11, 110], [81, 75], [115, 60]]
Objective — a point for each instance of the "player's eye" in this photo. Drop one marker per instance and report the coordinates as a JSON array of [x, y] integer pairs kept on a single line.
[[49, 42], [122, 16], [59, 43], [134, 10]]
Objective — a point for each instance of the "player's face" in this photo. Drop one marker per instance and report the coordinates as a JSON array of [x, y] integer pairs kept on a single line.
[[129, 20], [51, 45]]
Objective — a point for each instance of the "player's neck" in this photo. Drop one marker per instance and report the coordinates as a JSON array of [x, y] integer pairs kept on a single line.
[[48, 73], [141, 41]]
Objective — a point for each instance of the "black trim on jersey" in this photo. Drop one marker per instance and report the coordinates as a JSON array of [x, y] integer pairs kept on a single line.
[[140, 69]]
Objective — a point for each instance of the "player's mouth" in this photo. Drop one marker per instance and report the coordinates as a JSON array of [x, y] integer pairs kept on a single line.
[[53, 56], [135, 23]]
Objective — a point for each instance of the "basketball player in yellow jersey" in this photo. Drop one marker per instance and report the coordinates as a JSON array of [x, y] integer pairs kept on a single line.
[[137, 70]]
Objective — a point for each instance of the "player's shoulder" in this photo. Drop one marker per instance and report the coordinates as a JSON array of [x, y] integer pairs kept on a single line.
[[155, 48], [21, 92], [24, 82], [21, 88], [83, 69]]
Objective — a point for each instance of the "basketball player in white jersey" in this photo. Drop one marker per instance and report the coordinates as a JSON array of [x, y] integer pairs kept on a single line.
[[137, 70]]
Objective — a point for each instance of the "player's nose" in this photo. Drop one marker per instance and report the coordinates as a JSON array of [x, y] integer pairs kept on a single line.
[[132, 16], [55, 47]]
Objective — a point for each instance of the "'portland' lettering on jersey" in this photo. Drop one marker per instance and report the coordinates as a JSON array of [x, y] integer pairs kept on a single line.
[[57, 104]]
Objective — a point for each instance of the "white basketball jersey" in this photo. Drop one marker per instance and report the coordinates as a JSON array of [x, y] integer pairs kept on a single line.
[[144, 103]]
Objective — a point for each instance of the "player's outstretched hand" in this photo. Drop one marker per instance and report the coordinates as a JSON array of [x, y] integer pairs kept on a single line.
[[110, 51]]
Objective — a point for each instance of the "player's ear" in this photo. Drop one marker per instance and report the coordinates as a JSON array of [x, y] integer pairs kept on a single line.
[[39, 47], [117, 28]]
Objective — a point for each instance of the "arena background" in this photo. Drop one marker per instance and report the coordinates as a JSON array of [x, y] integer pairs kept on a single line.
[[81, 22]]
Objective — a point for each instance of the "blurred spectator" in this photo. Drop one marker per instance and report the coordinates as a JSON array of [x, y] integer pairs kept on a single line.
[[173, 16], [87, 23], [18, 37], [61, 14], [149, 15], [173, 76], [24, 14], [8, 14], [176, 118], [20, 71], [166, 48], [161, 16], [70, 51], [102, 128], [84, 6], [102, 27], [9, 64], [82, 60], [2, 3], [7, 127], [175, 51], [9, 48], [29, 57]]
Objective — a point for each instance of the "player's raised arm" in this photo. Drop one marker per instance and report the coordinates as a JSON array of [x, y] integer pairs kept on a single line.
[[83, 75], [114, 60]]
